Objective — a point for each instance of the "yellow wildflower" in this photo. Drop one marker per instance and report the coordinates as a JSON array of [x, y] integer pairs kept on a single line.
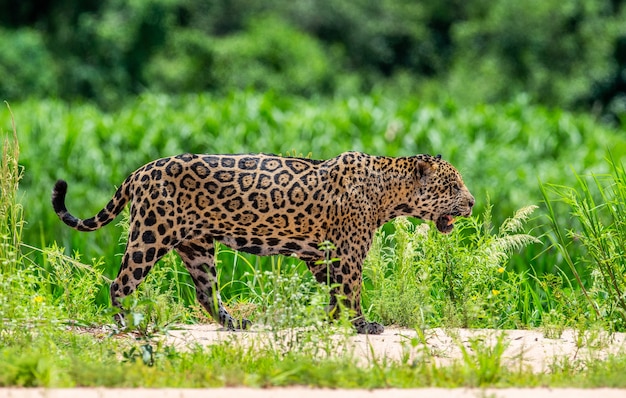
[[38, 299], [495, 292], [500, 270]]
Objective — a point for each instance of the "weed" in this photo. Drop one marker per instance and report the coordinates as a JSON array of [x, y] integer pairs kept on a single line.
[[145, 324], [293, 307], [553, 324], [423, 278], [598, 206], [482, 360]]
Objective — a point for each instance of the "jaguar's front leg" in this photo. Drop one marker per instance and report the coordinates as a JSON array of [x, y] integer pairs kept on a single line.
[[351, 290], [346, 282]]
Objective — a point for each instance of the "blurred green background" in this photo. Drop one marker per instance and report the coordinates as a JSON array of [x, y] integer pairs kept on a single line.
[[565, 53]]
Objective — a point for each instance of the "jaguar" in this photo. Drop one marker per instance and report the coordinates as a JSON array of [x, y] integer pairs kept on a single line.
[[269, 205]]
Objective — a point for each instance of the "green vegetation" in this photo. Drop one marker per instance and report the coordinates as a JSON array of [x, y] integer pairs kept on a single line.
[[566, 272], [99, 88], [423, 277], [598, 205]]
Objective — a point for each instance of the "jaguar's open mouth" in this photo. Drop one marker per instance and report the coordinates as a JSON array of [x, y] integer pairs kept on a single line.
[[445, 223]]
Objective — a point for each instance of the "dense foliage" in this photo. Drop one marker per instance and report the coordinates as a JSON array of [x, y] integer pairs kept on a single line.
[[566, 53]]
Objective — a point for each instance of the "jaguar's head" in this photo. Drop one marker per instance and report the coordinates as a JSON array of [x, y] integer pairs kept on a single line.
[[441, 194]]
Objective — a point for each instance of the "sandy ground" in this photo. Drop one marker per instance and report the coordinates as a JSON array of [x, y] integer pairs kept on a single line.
[[526, 348], [522, 348]]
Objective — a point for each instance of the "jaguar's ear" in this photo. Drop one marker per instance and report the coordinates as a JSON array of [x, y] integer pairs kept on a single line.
[[424, 169]]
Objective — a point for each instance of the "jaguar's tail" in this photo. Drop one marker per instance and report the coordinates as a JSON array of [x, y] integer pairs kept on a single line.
[[105, 216]]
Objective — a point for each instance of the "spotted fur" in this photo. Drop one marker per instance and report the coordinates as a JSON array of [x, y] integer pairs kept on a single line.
[[267, 205]]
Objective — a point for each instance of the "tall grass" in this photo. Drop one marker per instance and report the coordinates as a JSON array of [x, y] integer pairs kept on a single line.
[[598, 224], [499, 149], [11, 220], [11, 224], [55, 289]]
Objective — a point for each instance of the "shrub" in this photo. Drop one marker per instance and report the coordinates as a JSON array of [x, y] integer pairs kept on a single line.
[[549, 49], [26, 66], [423, 278], [273, 55], [184, 64]]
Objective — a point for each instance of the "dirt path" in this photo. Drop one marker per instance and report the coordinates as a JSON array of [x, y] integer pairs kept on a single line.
[[528, 348]]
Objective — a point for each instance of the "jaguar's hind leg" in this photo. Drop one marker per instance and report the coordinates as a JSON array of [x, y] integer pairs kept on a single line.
[[199, 258], [138, 260]]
